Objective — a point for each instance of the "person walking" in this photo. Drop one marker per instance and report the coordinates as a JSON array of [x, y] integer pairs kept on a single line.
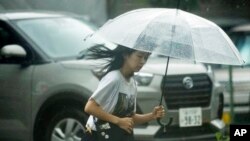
[[112, 106]]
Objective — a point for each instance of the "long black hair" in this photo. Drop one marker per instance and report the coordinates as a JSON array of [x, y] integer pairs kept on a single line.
[[114, 58]]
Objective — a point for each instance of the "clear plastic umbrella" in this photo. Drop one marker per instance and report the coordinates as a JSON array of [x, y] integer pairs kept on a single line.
[[173, 33]]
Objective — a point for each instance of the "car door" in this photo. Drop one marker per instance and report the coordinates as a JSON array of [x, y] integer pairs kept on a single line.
[[15, 91]]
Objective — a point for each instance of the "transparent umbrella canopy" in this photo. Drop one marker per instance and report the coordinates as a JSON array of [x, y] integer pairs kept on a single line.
[[173, 33]]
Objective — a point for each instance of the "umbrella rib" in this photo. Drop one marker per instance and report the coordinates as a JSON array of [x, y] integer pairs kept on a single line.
[[234, 50], [194, 59], [193, 47]]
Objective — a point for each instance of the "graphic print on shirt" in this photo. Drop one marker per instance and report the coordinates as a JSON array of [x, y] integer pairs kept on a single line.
[[125, 105]]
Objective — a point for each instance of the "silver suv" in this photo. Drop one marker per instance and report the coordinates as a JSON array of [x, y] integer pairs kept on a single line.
[[43, 86]]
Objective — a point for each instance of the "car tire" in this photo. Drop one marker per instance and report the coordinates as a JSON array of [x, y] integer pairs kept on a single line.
[[66, 125]]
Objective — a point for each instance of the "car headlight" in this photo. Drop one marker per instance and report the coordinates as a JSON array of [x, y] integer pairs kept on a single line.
[[143, 79]]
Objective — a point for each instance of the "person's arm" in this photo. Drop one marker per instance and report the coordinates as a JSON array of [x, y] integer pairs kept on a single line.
[[94, 109], [158, 112]]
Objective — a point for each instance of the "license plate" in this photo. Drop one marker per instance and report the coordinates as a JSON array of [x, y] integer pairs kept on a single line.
[[189, 117]]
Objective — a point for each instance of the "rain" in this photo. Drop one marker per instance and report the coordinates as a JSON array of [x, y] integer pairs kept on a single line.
[[45, 79]]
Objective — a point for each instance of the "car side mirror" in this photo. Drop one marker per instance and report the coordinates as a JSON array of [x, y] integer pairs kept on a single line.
[[13, 50]]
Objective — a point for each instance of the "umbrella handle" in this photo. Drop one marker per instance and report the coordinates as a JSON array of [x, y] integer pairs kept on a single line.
[[163, 123]]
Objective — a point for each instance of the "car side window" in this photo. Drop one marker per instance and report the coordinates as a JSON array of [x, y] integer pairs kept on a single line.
[[4, 37], [8, 38]]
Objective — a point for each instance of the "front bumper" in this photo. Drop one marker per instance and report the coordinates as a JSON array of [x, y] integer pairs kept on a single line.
[[206, 132]]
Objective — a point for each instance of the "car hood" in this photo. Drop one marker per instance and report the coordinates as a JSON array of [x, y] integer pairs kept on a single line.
[[241, 78], [239, 75], [153, 65], [158, 66], [81, 64]]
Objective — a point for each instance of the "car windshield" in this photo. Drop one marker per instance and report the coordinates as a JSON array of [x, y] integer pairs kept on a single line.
[[57, 37]]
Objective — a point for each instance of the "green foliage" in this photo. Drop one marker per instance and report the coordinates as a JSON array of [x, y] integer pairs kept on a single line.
[[221, 137]]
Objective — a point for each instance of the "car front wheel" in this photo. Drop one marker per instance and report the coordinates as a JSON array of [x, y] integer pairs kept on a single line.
[[66, 125]]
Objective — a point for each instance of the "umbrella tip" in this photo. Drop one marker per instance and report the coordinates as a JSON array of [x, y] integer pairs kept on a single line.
[[243, 64]]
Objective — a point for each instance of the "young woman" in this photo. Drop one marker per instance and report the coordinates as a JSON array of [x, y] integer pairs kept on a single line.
[[114, 101]]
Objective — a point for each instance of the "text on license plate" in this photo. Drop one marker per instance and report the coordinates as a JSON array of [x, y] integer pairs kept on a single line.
[[189, 117]]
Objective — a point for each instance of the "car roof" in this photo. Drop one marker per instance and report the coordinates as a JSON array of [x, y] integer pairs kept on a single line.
[[15, 15]]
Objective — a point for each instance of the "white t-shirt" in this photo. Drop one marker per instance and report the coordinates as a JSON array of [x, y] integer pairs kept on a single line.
[[115, 95]]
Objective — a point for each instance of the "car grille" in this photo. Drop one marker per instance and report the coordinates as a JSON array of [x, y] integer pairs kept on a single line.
[[178, 96]]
